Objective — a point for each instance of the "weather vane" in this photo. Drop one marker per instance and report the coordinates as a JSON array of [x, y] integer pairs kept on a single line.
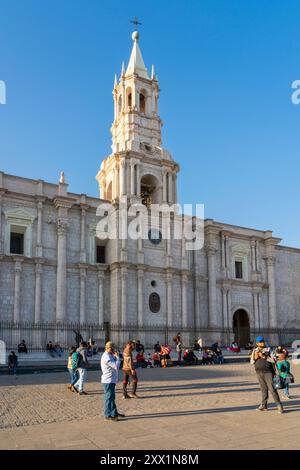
[[135, 22]]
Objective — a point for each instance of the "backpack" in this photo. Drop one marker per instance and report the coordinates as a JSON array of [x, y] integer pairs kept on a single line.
[[77, 360]]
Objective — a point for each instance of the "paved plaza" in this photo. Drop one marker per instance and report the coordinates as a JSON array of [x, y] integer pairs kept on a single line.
[[201, 407]]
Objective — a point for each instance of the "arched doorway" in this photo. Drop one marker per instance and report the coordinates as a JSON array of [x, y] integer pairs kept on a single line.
[[241, 327]]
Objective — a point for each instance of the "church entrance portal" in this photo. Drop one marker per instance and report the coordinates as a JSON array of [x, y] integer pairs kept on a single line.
[[241, 327]]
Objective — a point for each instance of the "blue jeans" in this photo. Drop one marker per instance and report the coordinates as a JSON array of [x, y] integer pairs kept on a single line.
[[13, 370], [110, 408], [81, 377], [286, 390], [73, 376]]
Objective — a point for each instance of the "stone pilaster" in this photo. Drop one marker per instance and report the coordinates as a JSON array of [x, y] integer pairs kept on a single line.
[[164, 173], [61, 277], [255, 296], [101, 277], [39, 244], [82, 232], [123, 189], [82, 316], [38, 290], [17, 290], [225, 307], [132, 178], [169, 299], [212, 288], [124, 275], [270, 261], [140, 277], [184, 307]]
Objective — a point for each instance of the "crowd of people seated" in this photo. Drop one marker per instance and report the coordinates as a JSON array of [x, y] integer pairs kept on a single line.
[[54, 349]]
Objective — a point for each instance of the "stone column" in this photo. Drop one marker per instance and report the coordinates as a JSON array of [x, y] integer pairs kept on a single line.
[[17, 290], [122, 177], [212, 287], [140, 274], [123, 296], [170, 184], [101, 277], [185, 319], [132, 178], [82, 317], [61, 279], [38, 291], [270, 260], [82, 234], [169, 300], [138, 183], [175, 187], [164, 172]]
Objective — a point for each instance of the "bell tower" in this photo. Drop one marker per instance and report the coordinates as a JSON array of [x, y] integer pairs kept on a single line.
[[138, 167]]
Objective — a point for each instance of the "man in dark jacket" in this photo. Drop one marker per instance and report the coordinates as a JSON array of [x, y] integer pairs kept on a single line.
[[265, 370], [13, 363]]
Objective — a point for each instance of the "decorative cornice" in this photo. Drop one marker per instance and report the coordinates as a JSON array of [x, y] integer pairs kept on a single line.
[[61, 201]]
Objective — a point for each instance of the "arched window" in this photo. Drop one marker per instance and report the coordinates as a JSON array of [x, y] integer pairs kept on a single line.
[[142, 103], [128, 98], [129, 101], [120, 104]]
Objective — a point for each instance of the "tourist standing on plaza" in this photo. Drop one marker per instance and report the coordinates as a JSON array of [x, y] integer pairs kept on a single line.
[[82, 369], [13, 363], [110, 363], [72, 364], [139, 347], [285, 373], [164, 355], [265, 370], [179, 352], [129, 371]]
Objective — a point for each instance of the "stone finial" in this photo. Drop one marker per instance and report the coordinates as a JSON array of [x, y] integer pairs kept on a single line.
[[116, 81], [62, 177], [123, 69], [152, 73]]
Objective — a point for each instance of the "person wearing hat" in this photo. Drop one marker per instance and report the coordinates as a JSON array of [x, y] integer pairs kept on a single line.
[[110, 363], [265, 370]]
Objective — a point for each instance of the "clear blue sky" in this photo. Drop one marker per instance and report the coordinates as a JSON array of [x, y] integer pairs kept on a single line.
[[225, 70]]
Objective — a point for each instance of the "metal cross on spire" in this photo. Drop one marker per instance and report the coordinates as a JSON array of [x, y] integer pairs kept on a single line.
[[135, 22]]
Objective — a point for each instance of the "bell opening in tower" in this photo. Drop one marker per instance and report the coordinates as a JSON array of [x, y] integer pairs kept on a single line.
[[149, 190]]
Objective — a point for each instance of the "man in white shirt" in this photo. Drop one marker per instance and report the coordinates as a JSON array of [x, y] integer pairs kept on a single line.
[[110, 363]]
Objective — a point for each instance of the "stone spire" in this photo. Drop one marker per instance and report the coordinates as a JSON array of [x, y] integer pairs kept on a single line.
[[136, 63]]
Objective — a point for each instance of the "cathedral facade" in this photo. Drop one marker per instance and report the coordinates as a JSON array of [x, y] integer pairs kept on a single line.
[[57, 276]]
